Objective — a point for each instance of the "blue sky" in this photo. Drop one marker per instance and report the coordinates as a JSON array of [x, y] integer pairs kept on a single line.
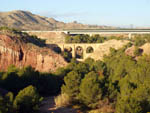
[[101, 12]]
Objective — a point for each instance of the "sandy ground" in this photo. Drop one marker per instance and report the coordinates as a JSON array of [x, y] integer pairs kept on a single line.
[[48, 106]]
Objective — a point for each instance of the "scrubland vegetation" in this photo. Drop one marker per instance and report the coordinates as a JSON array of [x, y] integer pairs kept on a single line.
[[118, 84], [137, 39], [89, 39], [26, 88]]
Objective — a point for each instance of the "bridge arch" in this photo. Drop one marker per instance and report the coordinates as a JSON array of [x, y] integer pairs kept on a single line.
[[79, 51], [89, 49], [68, 49]]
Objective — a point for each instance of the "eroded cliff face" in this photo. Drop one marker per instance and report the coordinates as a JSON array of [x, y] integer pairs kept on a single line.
[[14, 51]]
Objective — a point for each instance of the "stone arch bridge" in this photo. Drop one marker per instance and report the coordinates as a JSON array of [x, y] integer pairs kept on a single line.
[[79, 46]]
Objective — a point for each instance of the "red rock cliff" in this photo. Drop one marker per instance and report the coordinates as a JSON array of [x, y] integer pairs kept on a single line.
[[20, 53]]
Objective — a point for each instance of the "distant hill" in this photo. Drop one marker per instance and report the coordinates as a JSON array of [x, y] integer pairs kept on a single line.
[[25, 20]]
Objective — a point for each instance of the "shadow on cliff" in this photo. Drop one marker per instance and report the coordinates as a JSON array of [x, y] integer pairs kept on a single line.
[[54, 47]]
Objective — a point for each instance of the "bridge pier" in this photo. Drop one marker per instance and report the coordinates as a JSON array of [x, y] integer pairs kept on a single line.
[[84, 52], [130, 35], [73, 52]]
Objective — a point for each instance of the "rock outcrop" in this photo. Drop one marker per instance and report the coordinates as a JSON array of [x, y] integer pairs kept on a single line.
[[145, 50], [104, 48], [16, 51], [130, 51]]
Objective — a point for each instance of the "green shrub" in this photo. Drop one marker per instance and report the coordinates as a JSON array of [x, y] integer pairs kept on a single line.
[[90, 90], [97, 66], [138, 51], [27, 100], [16, 79], [135, 100], [62, 100], [67, 55], [90, 63], [128, 105], [72, 83], [48, 84], [85, 39], [3, 107], [10, 81], [81, 68], [61, 72], [6, 103], [140, 40]]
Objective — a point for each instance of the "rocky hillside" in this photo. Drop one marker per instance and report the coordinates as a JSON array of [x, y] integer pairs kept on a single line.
[[21, 50], [25, 20], [145, 50], [104, 48]]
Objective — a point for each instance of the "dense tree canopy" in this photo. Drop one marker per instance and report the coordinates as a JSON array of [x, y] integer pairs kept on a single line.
[[120, 79], [88, 39], [26, 84], [27, 100]]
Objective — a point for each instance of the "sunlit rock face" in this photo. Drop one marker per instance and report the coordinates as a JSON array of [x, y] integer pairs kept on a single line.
[[14, 51]]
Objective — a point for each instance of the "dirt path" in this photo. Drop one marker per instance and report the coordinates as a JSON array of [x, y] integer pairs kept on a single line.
[[48, 106]]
